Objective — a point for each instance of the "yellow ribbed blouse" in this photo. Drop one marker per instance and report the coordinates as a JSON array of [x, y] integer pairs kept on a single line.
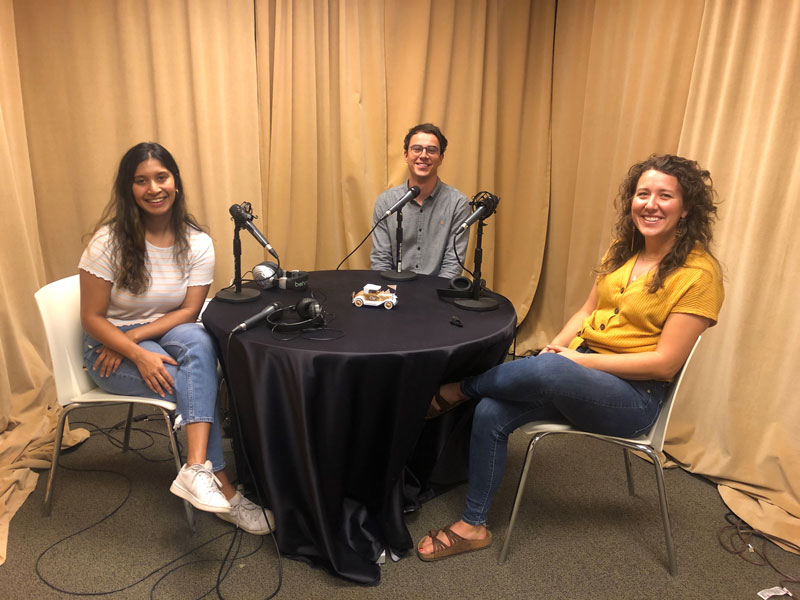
[[628, 318]]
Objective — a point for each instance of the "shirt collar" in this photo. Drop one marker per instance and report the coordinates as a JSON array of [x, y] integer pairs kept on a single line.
[[435, 193]]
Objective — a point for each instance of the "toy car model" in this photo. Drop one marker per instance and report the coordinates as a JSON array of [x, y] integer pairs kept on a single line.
[[373, 295]]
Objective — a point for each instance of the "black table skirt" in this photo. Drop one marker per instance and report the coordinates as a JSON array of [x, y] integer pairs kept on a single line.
[[329, 425]]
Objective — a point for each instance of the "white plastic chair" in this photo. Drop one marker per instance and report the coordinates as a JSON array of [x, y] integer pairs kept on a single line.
[[59, 306], [650, 444]]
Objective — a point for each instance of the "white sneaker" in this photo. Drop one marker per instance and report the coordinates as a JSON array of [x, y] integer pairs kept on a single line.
[[249, 516], [200, 487]]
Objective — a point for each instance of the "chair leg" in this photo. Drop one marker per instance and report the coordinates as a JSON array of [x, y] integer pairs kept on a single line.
[[51, 478], [518, 498], [627, 455], [662, 499], [127, 438], [176, 455]]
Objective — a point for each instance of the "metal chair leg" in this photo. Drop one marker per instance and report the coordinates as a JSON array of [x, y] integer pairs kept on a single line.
[[127, 438], [176, 455], [518, 499], [627, 455], [51, 478], [662, 499]]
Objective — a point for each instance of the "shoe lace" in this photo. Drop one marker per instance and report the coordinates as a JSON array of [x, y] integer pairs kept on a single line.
[[246, 512], [206, 480]]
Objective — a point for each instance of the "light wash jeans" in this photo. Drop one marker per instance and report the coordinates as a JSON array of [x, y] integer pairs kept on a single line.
[[195, 377], [541, 387]]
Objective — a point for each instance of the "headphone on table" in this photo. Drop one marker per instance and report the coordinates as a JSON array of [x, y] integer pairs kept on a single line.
[[267, 274], [309, 313], [461, 284]]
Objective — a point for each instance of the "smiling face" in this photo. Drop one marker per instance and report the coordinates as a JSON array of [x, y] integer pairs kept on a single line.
[[153, 188], [422, 164], [657, 206]]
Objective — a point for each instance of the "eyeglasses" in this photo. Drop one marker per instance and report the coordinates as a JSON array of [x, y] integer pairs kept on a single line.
[[416, 150]]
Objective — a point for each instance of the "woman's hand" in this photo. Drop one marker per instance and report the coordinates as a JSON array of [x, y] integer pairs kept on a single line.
[[573, 355], [108, 361], [152, 369]]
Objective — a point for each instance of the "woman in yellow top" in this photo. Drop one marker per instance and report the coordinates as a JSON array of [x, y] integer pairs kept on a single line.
[[657, 289]]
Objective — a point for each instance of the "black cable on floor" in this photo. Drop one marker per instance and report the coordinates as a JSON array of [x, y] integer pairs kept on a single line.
[[739, 538], [223, 572]]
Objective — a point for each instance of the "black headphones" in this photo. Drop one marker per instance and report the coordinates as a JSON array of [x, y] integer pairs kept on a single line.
[[309, 313], [461, 284]]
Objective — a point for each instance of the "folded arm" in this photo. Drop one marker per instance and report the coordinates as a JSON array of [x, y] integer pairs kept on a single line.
[[456, 243], [380, 257], [677, 338]]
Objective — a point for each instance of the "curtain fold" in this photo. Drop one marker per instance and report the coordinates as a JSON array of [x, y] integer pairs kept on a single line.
[[742, 123], [323, 108], [300, 107], [28, 407]]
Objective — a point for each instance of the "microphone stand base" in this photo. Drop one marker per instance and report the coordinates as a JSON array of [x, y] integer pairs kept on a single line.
[[246, 295], [480, 305], [399, 275]]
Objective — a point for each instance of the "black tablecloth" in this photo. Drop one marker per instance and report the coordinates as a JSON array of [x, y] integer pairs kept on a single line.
[[329, 426]]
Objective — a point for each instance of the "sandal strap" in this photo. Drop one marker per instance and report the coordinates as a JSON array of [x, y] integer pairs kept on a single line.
[[439, 545], [442, 405]]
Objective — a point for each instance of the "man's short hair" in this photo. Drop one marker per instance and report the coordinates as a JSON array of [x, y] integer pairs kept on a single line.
[[426, 128]]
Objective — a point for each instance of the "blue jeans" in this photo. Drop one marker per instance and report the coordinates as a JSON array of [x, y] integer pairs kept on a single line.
[[195, 377], [546, 387]]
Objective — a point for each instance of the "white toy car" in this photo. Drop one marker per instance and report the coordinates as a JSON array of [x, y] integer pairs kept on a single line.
[[373, 295]]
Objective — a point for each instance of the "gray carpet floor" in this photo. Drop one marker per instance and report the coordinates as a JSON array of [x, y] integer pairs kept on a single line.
[[115, 530]]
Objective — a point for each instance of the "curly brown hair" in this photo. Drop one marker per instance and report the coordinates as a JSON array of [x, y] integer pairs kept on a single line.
[[699, 200], [124, 218]]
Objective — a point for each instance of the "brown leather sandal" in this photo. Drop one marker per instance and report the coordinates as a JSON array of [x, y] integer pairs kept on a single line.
[[443, 406], [457, 545]]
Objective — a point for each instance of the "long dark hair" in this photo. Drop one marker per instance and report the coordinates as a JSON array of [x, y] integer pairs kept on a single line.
[[124, 218], [699, 200]]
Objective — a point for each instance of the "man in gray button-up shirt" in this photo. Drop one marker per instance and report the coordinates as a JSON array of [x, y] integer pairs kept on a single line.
[[430, 220]]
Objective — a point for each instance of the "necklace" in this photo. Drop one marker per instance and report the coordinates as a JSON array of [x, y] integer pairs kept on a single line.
[[646, 265]]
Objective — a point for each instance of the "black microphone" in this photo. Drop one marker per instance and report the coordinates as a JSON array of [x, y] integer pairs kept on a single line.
[[242, 218], [486, 209], [248, 323], [412, 193]]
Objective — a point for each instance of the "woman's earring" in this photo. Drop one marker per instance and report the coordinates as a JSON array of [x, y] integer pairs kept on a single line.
[[680, 229], [633, 238]]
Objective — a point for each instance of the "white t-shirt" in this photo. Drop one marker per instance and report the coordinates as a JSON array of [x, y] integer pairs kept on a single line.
[[167, 282]]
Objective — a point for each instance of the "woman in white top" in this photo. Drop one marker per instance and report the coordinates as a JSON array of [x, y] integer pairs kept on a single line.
[[144, 277]]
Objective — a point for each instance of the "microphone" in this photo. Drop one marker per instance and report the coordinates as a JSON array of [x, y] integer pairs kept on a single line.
[[248, 323], [487, 205], [412, 193], [244, 218]]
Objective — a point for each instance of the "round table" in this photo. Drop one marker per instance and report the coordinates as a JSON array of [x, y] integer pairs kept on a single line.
[[330, 417]]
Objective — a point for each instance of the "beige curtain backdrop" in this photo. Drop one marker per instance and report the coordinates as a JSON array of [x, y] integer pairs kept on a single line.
[[28, 410], [300, 108], [739, 422]]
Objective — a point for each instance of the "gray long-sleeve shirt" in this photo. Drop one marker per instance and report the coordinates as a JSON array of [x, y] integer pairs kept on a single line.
[[428, 232]]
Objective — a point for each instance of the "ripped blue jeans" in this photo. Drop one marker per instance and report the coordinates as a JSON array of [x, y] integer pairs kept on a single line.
[[195, 377]]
